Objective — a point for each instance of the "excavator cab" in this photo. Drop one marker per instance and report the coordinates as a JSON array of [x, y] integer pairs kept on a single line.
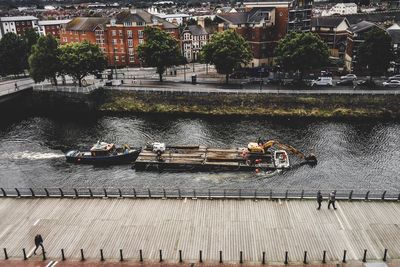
[[255, 147]]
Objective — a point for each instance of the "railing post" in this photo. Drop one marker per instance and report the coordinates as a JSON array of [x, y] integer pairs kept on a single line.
[[121, 257], [200, 256], [62, 255], [225, 194], [367, 195], [263, 258], [305, 257], [105, 192], [101, 255], [383, 195], [286, 258], [385, 254], [324, 257], [255, 194], [286, 194], [240, 193], [140, 255], [47, 192], [120, 192], [302, 194], [18, 193], [5, 194], [61, 192], [220, 256], [5, 254], [179, 194], [241, 257], [344, 256], [24, 252], [351, 195], [164, 194], [82, 256], [365, 256], [134, 192], [270, 194], [194, 194], [32, 193], [161, 259], [398, 197], [90, 193], [209, 193], [180, 256], [76, 193], [149, 192]]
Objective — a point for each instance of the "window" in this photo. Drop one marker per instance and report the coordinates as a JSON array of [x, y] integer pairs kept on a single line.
[[122, 51], [127, 23], [114, 41], [121, 41], [130, 51], [120, 32], [116, 58], [131, 58], [130, 43], [140, 23], [129, 33], [141, 41], [114, 32], [140, 34]]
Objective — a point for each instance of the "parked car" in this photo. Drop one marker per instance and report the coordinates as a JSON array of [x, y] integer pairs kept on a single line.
[[322, 81], [345, 82], [394, 77], [367, 83], [349, 77], [391, 83]]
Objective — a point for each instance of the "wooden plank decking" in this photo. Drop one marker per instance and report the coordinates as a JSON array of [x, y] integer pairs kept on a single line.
[[193, 225]]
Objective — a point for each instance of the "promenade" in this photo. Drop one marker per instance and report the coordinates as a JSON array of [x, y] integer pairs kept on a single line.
[[218, 228]]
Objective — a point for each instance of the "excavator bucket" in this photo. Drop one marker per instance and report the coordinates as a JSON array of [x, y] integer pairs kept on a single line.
[[311, 159]]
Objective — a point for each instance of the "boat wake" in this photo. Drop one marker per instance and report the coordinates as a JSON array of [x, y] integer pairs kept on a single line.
[[31, 155]]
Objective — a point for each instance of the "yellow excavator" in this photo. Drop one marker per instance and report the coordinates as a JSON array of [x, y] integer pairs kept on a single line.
[[261, 148]]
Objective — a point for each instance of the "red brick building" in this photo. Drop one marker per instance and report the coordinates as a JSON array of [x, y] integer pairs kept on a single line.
[[17, 25], [52, 27]]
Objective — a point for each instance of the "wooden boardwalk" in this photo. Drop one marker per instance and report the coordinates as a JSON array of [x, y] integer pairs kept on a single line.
[[191, 225]]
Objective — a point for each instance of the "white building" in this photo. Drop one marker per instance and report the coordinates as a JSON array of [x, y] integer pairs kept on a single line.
[[193, 38], [177, 19], [343, 9], [17, 24]]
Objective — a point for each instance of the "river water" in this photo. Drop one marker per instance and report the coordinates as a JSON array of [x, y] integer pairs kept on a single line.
[[352, 155]]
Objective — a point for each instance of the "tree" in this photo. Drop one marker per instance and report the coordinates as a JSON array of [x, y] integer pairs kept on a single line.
[[226, 50], [161, 50], [301, 51], [81, 59], [44, 60], [376, 52], [12, 54]]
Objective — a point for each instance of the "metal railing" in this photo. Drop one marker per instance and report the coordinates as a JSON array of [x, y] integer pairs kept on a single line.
[[164, 193], [67, 89]]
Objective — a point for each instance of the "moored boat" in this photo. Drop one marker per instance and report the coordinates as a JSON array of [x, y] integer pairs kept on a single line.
[[104, 154]]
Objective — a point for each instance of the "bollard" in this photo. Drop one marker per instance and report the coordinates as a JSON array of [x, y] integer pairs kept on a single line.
[[140, 255], [351, 195], [286, 194], [367, 195], [164, 194], [201, 256], [134, 193], [61, 192], [5, 254], [344, 256], [263, 257], [161, 256], [148, 191], [23, 251], [286, 258], [101, 255], [240, 193], [62, 255], [241, 257], [121, 257], [105, 192], [18, 193], [365, 256], [5, 194], [76, 193], [120, 193], [82, 256], [32, 193], [47, 192], [220, 256], [383, 195], [180, 256], [385, 254], [179, 194], [302, 194], [90, 193], [305, 257], [324, 257]]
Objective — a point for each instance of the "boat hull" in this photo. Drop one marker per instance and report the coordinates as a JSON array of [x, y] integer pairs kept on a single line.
[[74, 156]]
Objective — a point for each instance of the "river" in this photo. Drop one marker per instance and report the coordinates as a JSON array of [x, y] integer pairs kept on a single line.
[[351, 155]]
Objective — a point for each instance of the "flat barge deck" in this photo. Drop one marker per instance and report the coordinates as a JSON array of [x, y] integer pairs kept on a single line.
[[199, 159]]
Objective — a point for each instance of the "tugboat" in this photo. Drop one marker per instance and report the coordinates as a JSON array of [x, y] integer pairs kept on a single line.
[[104, 154]]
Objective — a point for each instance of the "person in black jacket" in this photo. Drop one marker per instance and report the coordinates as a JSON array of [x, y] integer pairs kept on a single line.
[[319, 199], [38, 242]]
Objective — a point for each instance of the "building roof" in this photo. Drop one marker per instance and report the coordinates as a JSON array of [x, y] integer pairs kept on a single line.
[[394, 32], [53, 22], [377, 17], [86, 24], [329, 22], [142, 16], [197, 30], [361, 26], [256, 15], [17, 18]]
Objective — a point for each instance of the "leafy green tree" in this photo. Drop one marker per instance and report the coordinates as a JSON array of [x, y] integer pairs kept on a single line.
[[376, 52], [226, 50], [81, 59], [301, 51], [12, 54], [161, 50], [44, 60]]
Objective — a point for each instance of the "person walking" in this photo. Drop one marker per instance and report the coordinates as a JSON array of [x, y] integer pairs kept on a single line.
[[38, 242], [332, 200], [319, 199], [16, 86]]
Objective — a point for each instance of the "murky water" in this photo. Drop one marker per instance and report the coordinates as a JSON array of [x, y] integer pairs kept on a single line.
[[352, 155]]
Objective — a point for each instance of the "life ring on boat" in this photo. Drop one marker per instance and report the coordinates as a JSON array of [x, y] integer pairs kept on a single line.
[[244, 153]]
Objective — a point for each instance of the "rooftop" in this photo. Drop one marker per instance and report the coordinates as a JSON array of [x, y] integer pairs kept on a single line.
[[329, 22], [86, 23], [53, 22], [18, 18]]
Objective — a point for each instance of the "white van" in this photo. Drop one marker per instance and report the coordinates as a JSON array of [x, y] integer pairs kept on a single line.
[[324, 81]]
